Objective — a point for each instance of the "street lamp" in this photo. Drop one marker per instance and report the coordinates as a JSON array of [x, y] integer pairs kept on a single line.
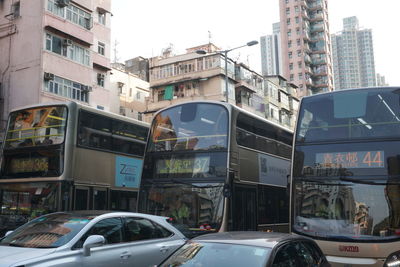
[[225, 53]]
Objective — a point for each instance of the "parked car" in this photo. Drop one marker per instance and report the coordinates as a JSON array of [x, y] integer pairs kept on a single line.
[[90, 238], [255, 249]]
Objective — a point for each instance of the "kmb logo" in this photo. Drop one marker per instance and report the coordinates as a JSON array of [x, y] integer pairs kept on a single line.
[[348, 248]]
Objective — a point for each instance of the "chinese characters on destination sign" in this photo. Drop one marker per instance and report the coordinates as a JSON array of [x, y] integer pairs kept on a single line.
[[348, 160]]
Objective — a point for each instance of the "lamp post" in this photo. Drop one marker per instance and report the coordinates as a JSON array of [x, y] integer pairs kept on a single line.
[[225, 53]]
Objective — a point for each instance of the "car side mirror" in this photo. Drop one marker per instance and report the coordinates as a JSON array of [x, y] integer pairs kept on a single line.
[[7, 233], [92, 242]]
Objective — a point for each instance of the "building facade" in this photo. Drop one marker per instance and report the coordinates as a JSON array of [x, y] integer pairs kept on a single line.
[[271, 54], [353, 56], [381, 80], [193, 76], [306, 45], [129, 92], [54, 50]]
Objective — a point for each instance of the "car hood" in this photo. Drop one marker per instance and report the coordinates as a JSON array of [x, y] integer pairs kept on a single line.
[[12, 255]]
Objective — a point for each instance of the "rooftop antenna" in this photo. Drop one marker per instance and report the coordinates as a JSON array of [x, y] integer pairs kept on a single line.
[[209, 41], [116, 59]]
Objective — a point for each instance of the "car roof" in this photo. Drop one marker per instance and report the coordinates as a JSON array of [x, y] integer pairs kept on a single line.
[[253, 238], [107, 213]]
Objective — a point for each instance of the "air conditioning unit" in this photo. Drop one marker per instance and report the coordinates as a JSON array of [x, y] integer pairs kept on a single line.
[[100, 76], [63, 3], [67, 42], [48, 76]]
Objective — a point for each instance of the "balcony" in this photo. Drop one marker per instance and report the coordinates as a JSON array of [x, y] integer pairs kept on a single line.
[[317, 27], [307, 59], [68, 28], [316, 5], [101, 61], [318, 61], [317, 17], [306, 36]]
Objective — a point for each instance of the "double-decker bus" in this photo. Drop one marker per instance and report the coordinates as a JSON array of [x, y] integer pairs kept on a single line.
[[68, 156], [346, 175], [211, 166]]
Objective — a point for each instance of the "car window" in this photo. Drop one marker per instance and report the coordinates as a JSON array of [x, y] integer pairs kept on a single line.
[[110, 229], [143, 229], [296, 254]]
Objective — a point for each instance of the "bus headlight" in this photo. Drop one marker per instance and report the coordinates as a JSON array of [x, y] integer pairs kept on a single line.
[[393, 260]]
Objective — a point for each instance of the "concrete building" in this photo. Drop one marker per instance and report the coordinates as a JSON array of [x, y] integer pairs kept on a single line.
[[191, 76], [306, 45], [138, 66], [271, 54], [381, 80], [54, 50], [128, 92], [353, 56]]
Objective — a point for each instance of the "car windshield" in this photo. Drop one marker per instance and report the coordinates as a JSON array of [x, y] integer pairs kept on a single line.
[[49, 231], [196, 254]]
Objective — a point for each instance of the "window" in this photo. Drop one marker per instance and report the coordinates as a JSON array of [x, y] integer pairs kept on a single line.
[[298, 254], [138, 95], [289, 33], [102, 18], [291, 77], [130, 92], [100, 79], [300, 64], [300, 75], [299, 53], [100, 132], [15, 10], [67, 88], [296, 9], [143, 229], [298, 42], [288, 11], [110, 229], [71, 13], [101, 48], [289, 44], [297, 19], [290, 54], [288, 21], [67, 48], [291, 66]]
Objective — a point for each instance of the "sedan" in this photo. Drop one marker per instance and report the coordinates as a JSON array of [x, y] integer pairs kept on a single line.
[[255, 249], [89, 238]]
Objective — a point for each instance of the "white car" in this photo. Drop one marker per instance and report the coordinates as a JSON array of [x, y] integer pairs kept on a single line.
[[90, 238]]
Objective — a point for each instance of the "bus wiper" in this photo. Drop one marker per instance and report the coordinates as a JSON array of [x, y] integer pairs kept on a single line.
[[194, 185], [358, 181]]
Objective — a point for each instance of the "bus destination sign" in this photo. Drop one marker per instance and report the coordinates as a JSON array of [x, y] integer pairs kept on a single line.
[[24, 165], [348, 160], [181, 166]]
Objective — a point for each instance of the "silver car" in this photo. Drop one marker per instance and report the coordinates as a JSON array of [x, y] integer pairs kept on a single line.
[[253, 249], [91, 238]]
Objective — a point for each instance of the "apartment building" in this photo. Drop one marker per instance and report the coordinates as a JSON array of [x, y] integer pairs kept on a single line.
[[306, 45], [128, 92], [54, 50], [381, 80], [193, 76], [271, 52], [353, 56]]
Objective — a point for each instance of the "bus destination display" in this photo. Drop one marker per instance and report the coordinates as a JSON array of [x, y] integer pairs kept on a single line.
[[180, 166], [23, 165], [353, 159]]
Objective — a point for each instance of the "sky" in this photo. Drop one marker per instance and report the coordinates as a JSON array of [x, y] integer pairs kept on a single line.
[[145, 28]]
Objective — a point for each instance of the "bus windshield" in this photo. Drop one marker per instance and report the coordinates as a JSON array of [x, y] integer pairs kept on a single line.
[[190, 127], [346, 166], [36, 127], [350, 115], [194, 208]]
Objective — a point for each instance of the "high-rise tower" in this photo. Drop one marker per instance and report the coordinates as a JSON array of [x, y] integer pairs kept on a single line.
[[353, 56], [306, 45]]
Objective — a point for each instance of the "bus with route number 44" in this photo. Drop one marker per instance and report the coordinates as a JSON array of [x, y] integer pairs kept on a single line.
[[346, 175]]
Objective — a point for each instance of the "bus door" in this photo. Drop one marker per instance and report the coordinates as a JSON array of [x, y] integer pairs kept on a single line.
[[99, 198], [81, 198], [244, 208]]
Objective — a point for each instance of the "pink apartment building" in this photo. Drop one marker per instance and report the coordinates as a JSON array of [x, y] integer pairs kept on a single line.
[[306, 45], [54, 50]]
